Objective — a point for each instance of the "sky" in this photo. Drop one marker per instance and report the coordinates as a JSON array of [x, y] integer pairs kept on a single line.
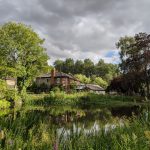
[[80, 29]]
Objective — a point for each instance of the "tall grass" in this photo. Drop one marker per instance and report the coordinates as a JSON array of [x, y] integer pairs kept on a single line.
[[32, 131], [80, 98]]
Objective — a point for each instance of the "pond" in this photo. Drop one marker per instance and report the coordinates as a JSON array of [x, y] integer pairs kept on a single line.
[[37, 125]]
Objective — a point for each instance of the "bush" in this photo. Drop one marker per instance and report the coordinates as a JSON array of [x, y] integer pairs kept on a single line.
[[4, 104], [3, 88], [56, 89], [12, 94]]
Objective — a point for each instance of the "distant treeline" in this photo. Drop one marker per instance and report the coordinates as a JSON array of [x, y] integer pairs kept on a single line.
[[106, 71]]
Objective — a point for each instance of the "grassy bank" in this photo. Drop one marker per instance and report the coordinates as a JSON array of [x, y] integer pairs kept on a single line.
[[81, 98]]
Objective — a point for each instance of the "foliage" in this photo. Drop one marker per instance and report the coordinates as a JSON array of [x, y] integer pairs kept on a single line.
[[104, 70], [56, 89], [93, 80], [4, 104], [21, 54], [135, 63], [3, 88], [8, 93], [83, 78], [56, 97], [12, 95], [80, 99], [99, 81], [24, 130]]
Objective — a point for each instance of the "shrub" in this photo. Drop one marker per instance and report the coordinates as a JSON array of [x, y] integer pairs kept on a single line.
[[4, 104], [3, 88], [56, 89]]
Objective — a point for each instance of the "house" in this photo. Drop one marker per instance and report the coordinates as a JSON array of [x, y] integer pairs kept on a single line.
[[11, 82], [91, 88], [56, 78]]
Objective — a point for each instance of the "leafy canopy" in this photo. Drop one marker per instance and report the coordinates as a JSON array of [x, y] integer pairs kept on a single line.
[[22, 54]]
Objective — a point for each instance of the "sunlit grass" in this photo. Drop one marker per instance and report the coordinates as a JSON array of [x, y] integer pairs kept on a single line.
[[80, 98]]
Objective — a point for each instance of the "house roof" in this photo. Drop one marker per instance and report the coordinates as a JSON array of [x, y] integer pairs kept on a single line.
[[10, 78], [58, 75], [93, 87]]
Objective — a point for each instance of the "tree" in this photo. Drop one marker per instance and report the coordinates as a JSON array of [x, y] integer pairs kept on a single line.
[[21, 49], [83, 78], [78, 68], [88, 67], [141, 58], [101, 69], [106, 70], [125, 46], [59, 65], [135, 61], [99, 81], [69, 65]]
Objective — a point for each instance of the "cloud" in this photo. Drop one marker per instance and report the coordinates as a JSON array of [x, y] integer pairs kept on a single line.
[[80, 28]]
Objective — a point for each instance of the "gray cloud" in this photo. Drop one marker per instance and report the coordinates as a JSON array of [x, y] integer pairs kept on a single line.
[[79, 28]]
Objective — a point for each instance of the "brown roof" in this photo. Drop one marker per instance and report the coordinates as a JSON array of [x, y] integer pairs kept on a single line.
[[58, 75], [10, 78], [92, 87]]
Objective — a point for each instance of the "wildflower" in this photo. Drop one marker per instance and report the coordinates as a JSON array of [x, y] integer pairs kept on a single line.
[[56, 145]]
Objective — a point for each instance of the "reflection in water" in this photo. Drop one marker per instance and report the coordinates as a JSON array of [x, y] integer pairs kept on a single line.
[[93, 129], [39, 123]]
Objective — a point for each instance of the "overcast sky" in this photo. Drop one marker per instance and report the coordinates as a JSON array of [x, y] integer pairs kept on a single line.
[[80, 28]]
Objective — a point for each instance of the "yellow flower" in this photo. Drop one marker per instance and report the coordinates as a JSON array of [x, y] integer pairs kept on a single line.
[[45, 137], [147, 134]]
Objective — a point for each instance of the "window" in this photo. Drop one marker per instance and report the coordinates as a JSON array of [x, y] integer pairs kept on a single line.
[[47, 80], [58, 80]]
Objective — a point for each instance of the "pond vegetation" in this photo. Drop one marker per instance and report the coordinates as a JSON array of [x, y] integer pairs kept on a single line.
[[66, 127]]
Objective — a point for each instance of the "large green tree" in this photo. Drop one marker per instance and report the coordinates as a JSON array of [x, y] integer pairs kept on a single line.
[[22, 54], [135, 61]]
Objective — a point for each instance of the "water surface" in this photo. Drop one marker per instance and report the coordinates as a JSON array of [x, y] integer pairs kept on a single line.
[[34, 124]]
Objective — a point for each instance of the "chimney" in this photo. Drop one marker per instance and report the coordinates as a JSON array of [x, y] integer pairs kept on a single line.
[[53, 74]]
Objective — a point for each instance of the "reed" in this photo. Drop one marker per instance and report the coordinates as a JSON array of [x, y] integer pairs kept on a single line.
[[28, 130]]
